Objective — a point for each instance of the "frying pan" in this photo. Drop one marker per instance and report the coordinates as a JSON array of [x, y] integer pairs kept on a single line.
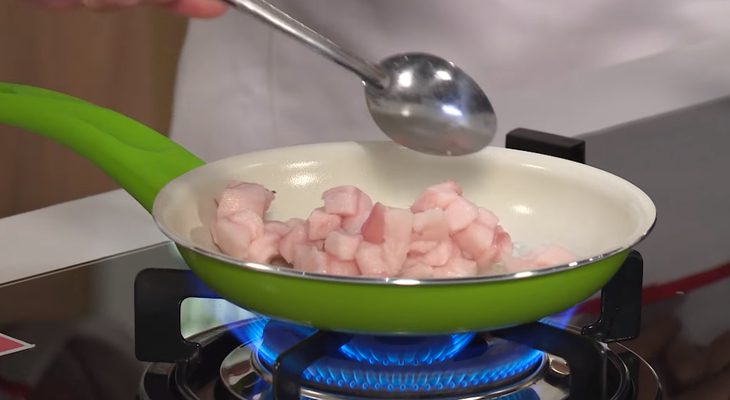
[[539, 200]]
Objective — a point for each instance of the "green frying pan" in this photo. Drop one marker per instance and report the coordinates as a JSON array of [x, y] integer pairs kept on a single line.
[[539, 199]]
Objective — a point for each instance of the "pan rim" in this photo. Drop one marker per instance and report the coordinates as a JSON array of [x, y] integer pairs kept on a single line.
[[394, 281]]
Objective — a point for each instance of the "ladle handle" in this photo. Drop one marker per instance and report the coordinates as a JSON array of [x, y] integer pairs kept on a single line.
[[137, 157], [370, 74]]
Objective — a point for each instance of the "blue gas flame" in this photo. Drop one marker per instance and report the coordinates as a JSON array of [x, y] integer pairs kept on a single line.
[[561, 319], [405, 351], [432, 378], [470, 363]]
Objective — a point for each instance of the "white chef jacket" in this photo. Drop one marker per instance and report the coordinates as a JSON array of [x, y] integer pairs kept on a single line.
[[242, 86]]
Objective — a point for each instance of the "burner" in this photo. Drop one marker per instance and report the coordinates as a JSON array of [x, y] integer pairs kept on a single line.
[[226, 369], [376, 366]]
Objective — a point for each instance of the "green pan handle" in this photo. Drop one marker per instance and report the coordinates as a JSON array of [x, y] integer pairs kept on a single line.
[[14, 88], [137, 157]]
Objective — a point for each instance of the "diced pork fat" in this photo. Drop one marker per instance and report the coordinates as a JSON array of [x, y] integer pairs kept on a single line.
[[550, 256], [353, 224], [244, 196], [439, 255], [475, 239], [342, 245], [296, 236], [417, 271], [422, 246], [456, 267], [397, 237], [336, 266], [250, 220], [369, 258], [320, 224], [437, 196], [310, 259], [278, 228], [265, 248], [341, 200], [373, 228], [431, 224], [487, 218], [233, 239]]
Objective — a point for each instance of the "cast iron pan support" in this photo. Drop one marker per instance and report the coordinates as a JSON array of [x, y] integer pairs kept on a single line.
[[584, 357], [620, 314], [158, 294], [620, 317]]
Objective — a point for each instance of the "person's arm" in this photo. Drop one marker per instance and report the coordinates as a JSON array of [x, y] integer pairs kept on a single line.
[[189, 8]]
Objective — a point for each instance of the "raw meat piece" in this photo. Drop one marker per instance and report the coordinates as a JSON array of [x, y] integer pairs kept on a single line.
[[278, 228], [264, 249], [502, 241], [369, 258], [336, 266], [353, 224], [501, 247], [373, 229], [487, 260], [244, 196], [514, 264], [475, 239], [456, 268], [487, 218], [309, 259], [456, 252], [321, 224], [437, 196], [250, 221], [391, 226], [296, 236], [431, 224], [397, 237], [342, 245], [292, 222], [341, 200], [422, 246], [460, 213], [550, 256], [439, 255], [233, 239], [417, 271]]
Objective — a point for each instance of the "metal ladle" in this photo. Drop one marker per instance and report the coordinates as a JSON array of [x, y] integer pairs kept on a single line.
[[420, 101]]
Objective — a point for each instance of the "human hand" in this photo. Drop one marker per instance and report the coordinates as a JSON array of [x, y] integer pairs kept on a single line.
[[188, 8]]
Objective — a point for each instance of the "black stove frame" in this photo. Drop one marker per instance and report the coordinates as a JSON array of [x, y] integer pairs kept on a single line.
[[159, 292]]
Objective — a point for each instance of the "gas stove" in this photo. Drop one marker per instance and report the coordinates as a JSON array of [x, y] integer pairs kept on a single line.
[[260, 358]]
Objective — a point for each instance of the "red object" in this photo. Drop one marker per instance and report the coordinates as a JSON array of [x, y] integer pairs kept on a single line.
[[14, 390], [656, 293], [10, 345]]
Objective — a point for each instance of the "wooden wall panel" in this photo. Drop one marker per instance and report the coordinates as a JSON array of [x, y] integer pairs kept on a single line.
[[122, 60]]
